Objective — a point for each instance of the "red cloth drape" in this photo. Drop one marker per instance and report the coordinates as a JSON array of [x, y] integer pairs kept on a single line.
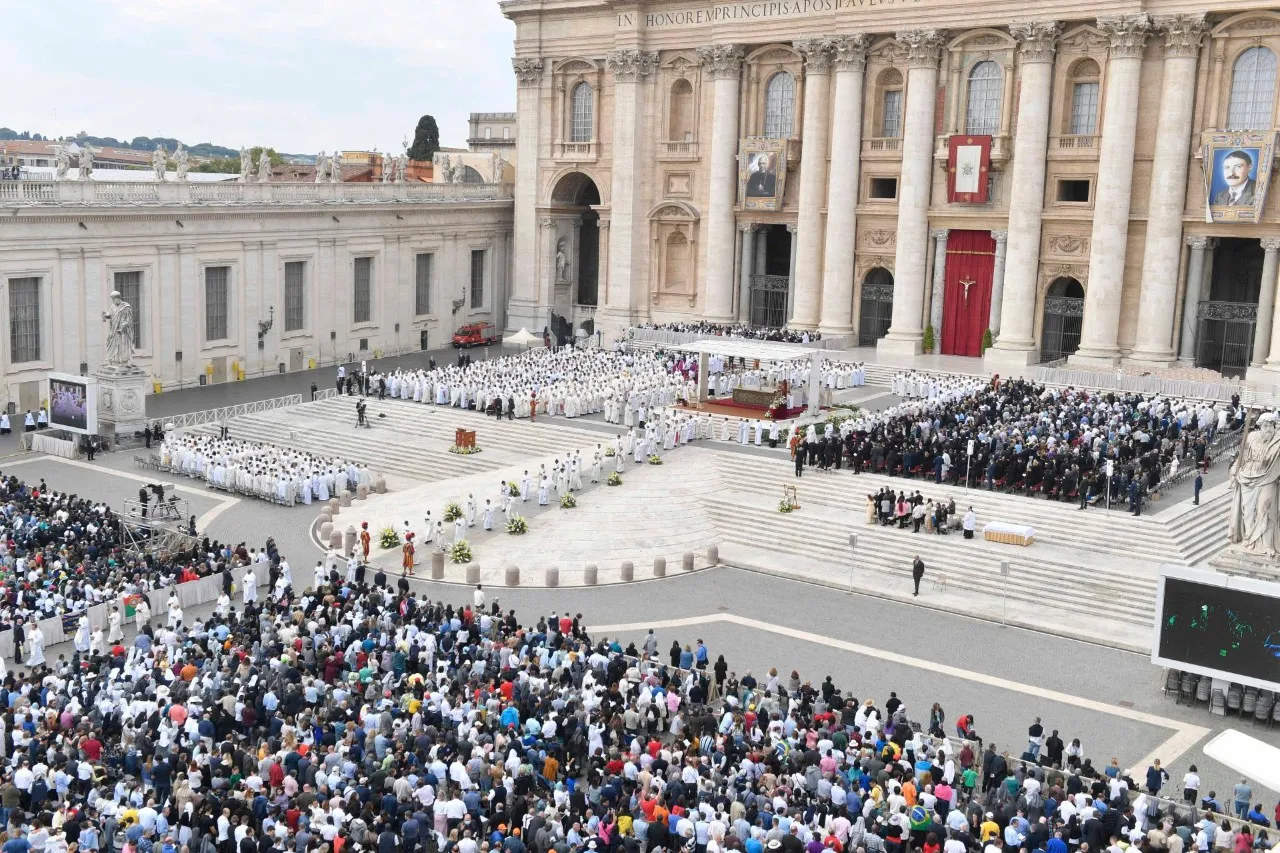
[[971, 257]]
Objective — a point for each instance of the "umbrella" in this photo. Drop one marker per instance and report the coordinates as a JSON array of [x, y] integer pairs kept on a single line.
[[522, 338]]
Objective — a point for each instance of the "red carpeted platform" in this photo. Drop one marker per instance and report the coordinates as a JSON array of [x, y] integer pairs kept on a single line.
[[740, 410]]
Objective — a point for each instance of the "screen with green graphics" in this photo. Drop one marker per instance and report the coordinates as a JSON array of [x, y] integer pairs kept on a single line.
[[1229, 630]]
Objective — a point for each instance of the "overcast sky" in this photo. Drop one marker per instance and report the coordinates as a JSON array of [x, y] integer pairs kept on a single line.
[[299, 75]]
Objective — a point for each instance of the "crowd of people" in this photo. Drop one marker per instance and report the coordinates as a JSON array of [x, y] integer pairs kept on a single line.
[[1027, 438], [354, 714], [61, 553], [278, 474], [739, 330]]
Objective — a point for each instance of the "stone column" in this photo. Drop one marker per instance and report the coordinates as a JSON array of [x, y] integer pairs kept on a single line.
[[791, 268], [939, 236], [1154, 343], [1266, 301], [997, 281], [1015, 345], [923, 49], [849, 54], [1191, 296], [632, 69], [523, 304], [1109, 242], [722, 64], [747, 268], [807, 285]]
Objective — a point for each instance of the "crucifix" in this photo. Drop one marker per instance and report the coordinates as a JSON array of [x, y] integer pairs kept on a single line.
[[967, 282]]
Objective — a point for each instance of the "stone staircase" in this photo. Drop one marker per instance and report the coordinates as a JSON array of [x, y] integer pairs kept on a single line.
[[419, 434]]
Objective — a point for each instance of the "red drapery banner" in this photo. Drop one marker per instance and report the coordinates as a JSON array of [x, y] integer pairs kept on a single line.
[[968, 167], [966, 304]]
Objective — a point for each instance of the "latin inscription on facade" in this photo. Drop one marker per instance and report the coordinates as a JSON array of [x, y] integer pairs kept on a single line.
[[720, 13]]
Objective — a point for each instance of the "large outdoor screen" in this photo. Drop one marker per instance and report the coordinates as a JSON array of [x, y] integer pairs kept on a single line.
[[73, 403], [1219, 625]]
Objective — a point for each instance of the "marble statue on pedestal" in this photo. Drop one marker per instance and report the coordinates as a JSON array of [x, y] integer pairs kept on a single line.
[[402, 168], [86, 162], [119, 319], [63, 163], [264, 167], [183, 160], [1254, 520], [159, 162], [246, 166], [335, 167], [322, 166], [562, 263]]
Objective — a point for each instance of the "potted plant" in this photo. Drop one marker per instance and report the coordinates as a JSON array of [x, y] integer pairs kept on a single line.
[[615, 479], [927, 343], [568, 501], [517, 526], [460, 552]]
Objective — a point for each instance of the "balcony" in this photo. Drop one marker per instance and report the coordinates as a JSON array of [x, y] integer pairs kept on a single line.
[[233, 193], [576, 152], [882, 148], [1074, 147], [676, 150]]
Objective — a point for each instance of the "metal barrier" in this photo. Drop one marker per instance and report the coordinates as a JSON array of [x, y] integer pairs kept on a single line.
[[223, 414], [1145, 384], [665, 337]]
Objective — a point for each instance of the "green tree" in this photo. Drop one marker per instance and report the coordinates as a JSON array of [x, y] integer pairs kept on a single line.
[[426, 139]]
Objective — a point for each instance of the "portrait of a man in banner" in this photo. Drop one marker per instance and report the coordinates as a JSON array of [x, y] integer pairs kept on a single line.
[[1237, 170], [762, 173]]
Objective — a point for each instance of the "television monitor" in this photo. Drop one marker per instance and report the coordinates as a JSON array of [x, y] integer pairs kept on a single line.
[[73, 403]]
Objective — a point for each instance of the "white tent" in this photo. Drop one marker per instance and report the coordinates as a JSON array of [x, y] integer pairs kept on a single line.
[[522, 338]]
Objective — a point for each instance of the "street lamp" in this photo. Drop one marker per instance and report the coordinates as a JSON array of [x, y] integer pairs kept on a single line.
[[853, 550]]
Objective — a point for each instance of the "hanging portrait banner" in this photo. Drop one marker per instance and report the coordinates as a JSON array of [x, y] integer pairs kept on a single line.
[[1237, 173], [762, 173]]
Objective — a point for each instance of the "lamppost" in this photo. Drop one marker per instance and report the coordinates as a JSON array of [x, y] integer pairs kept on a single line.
[[1004, 610], [853, 550]]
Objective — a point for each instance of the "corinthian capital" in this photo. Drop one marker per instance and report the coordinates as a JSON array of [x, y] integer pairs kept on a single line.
[[849, 53], [630, 65], [1128, 34], [1182, 33], [528, 70], [721, 61], [1037, 40], [923, 47], [817, 54]]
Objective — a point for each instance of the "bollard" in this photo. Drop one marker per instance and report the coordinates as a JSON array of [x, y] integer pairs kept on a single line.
[[713, 555], [513, 576], [344, 499], [437, 565], [362, 492], [659, 567], [628, 571], [334, 503], [335, 540], [326, 528], [380, 485], [326, 514], [473, 573], [591, 576], [688, 561], [553, 577], [349, 539]]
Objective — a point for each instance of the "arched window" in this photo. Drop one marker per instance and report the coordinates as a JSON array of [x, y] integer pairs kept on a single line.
[[986, 84], [1085, 79], [891, 103], [680, 123], [471, 176], [779, 105], [583, 111], [1253, 90]]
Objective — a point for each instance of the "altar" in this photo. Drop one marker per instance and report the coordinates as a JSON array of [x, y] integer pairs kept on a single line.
[[756, 398]]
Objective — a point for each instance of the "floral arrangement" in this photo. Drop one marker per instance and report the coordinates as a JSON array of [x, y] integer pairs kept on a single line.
[[655, 459], [568, 501], [452, 512], [786, 505], [517, 526], [615, 479], [512, 488], [463, 451], [460, 552], [609, 452], [388, 537]]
